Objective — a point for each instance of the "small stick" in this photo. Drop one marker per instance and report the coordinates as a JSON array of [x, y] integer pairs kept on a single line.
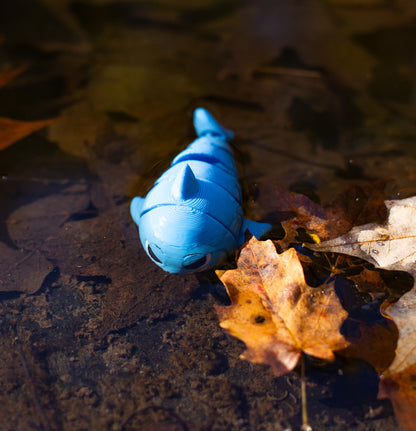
[[305, 425]]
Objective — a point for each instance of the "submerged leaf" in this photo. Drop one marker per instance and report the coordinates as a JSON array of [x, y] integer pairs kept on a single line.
[[22, 271], [6, 77], [276, 313], [13, 130]]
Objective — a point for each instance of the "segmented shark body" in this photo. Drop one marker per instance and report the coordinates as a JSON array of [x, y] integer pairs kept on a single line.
[[192, 217]]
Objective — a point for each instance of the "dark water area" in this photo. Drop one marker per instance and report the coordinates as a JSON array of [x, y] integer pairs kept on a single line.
[[93, 335]]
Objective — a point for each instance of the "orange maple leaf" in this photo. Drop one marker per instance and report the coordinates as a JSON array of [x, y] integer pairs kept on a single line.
[[275, 313]]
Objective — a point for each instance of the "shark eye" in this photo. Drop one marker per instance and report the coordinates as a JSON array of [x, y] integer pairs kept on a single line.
[[152, 254], [198, 263]]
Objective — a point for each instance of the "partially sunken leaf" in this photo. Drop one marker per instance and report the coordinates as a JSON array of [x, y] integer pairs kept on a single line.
[[6, 77], [276, 313], [392, 246], [13, 130]]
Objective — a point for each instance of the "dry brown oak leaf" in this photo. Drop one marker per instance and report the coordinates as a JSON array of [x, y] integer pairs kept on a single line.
[[392, 246], [275, 313]]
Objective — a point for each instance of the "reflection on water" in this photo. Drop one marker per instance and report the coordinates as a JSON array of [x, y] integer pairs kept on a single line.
[[321, 96]]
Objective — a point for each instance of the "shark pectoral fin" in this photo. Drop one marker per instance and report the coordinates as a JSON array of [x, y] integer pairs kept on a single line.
[[256, 228], [204, 122], [136, 208]]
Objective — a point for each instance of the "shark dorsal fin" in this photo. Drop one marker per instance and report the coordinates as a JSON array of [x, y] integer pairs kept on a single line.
[[185, 185]]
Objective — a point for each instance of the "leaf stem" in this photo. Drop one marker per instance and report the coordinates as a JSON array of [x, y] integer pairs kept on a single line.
[[305, 424]]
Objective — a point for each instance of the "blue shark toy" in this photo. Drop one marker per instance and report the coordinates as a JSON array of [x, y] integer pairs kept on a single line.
[[192, 217]]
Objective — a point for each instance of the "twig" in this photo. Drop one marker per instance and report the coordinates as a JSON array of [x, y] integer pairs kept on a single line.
[[305, 425]]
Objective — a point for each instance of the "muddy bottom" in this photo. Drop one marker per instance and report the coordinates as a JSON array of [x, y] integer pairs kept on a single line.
[[178, 372]]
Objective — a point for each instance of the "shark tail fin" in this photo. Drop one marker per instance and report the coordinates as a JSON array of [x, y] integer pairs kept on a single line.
[[204, 123]]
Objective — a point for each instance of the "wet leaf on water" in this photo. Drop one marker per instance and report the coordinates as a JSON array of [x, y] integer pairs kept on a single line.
[[276, 313], [392, 246]]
